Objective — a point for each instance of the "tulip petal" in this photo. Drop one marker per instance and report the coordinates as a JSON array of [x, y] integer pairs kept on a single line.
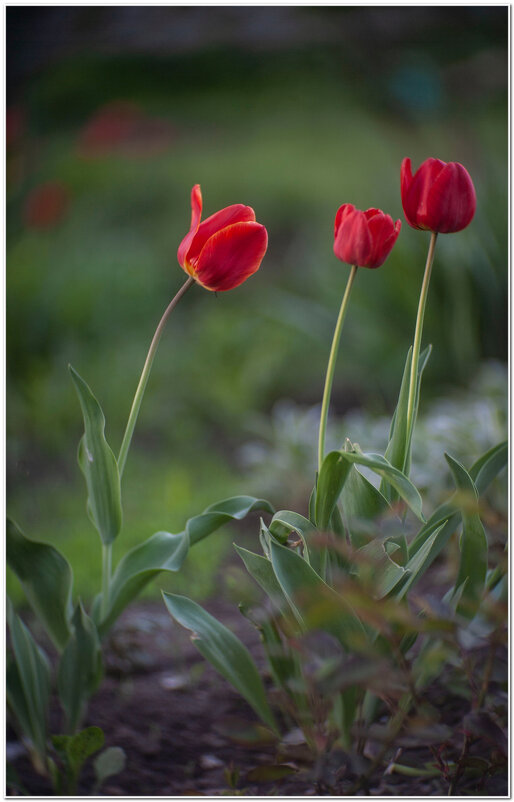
[[452, 199], [384, 234], [353, 241], [231, 255], [415, 198], [196, 213], [341, 215], [237, 213]]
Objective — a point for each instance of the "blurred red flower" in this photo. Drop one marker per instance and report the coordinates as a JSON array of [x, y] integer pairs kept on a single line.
[[123, 126], [46, 205], [439, 197], [224, 250], [365, 238]]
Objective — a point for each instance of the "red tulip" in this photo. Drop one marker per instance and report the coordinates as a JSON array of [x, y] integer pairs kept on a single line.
[[224, 250], [364, 238], [439, 197]]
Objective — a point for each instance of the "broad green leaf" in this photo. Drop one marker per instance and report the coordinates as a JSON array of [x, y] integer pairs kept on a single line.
[[420, 561], [485, 469], [224, 651], [230, 509], [28, 682], [98, 464], [285, 521], [360, 501], [109, 762], [313, 602], [46, 578], [332, 476], [261, 570], [399, 447], [80, 667], [472, 543], [166, 552], [386, 573], [482, 472], [396, 478], [161, 552]]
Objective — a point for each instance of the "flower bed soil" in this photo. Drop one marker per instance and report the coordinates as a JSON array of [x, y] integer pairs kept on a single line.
[[185, 732]]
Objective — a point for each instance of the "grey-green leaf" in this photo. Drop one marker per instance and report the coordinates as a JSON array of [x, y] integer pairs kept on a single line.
[[313, 602], [28, 682], [166, 552], [395, 477], [80, 667], [46, 578], [98, 464], [224, 651], [332, 476], [399, 446], [472, 543]]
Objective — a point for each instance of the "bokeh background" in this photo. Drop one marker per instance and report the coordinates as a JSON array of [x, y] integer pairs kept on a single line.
[[113, 113]]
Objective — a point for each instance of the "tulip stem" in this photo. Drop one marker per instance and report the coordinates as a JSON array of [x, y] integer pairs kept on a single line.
[[411, 412], [329, 378], [106, 577], [136, 404]]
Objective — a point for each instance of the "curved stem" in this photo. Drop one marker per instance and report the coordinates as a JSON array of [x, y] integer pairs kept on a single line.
[[329, 378], [417, 337], [136, 404]]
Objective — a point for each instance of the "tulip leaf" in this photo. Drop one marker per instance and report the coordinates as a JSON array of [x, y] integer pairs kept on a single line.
[[285, 522], [46, 578], [416, 566], [332, 476], [485, 469], [360, 501], [166, 552], [482, 472], [472, 542], [98, 464], [28, 682], [400, 441], [230, 509], [395, 477], [261, 569], [80, 667], [161, 552], [224, 651], [313, 602]]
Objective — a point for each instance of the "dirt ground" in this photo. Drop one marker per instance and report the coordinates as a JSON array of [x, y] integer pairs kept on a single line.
[[185, 732]]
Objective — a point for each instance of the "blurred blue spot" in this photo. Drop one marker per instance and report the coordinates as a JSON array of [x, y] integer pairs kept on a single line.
[[417, 88]]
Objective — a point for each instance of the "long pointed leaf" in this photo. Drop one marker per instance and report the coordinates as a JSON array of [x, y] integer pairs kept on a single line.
[[313, 602], [98, 464], [399, 446], [472, 543], [166, 552], [332, 476], [28, 682], [46, 578], [224, 651], [396, 478], [80, 667]]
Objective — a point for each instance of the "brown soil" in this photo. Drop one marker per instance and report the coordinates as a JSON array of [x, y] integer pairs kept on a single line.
[[185, 732]]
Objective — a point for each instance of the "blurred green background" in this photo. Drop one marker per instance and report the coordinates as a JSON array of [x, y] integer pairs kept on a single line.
[[113, 113]]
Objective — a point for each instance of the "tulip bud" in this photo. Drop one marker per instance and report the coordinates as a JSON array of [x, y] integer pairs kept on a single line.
[[224, 250], [439, 197], [365, 238]]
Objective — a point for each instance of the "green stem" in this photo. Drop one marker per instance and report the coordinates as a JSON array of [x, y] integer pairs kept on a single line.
[[331, 366], [136, 404], [106, 577], [417, 338]]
